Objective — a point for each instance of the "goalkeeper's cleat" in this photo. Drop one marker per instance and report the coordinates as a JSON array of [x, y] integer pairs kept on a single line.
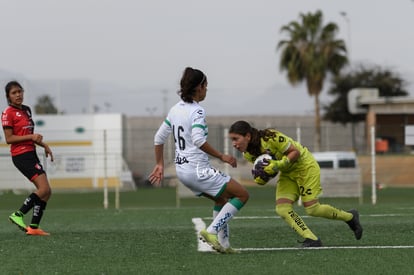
[[230, 250], [18, 220], [311, 243], [355, 225], [212, 240], [36, 232]]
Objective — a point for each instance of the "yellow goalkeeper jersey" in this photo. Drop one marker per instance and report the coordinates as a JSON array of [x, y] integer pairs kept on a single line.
[[276, 147]]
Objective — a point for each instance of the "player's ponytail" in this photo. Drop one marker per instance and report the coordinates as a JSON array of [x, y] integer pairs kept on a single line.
[[190, 80]]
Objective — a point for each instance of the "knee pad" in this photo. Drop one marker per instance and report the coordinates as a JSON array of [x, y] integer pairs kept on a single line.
[[283, 209]]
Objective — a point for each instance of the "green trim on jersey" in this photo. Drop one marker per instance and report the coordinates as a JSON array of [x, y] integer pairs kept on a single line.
[[221, 191], [199, 126], [167, 122]]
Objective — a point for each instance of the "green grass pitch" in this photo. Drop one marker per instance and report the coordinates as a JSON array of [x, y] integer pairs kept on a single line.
[[150, 235]]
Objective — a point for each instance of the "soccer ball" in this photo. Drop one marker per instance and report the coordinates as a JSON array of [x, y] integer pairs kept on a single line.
[[259, 175]]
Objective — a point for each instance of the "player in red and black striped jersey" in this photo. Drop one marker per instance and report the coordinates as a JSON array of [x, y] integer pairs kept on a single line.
[[18, 130]]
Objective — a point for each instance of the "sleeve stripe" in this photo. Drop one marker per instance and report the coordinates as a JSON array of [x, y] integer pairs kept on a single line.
[[199, 126], [167, 122]]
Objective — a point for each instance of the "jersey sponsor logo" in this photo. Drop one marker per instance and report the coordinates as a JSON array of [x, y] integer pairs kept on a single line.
[[180, 160]]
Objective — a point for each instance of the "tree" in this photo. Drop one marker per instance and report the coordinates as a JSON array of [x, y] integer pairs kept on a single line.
[[45, 105], [309, 55], [388, 83]]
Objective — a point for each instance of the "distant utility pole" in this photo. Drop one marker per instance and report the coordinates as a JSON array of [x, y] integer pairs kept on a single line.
[[348, 26]]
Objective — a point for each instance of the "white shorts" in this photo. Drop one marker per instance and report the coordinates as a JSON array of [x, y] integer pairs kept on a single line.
[[208, 180]]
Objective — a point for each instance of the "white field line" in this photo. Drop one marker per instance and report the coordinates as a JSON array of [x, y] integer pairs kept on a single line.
[[203, 247], [277, 217], [198, 226], [328, 248]]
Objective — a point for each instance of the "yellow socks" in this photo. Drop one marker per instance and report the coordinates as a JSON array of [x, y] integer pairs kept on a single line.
[[294, 221], [327, 211]]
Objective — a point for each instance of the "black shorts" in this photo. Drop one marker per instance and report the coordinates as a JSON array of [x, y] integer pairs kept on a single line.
[[29, 165]]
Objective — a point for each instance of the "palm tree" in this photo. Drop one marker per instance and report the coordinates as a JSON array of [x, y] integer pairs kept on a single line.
[[309, 55]]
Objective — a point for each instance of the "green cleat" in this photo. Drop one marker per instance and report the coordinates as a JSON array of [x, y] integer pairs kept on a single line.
[[212, 240], [18, 220]]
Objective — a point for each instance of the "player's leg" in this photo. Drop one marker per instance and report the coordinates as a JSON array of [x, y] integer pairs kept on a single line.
[[39, 205], [234, 197], [287, 192], [311, 189], [224, 234], [327, 211], [29, 165]]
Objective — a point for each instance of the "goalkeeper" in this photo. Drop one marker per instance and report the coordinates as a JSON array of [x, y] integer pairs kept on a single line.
[[299, 177]]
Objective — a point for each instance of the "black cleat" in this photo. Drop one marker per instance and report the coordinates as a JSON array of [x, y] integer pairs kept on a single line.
[[354, 224], [311, 243]]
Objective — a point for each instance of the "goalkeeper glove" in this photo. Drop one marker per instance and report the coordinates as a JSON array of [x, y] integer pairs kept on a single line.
[[272, 166], [260, 181], [259, 176]]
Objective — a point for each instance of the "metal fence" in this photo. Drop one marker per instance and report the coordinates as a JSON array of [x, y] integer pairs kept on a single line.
[[138, 135]]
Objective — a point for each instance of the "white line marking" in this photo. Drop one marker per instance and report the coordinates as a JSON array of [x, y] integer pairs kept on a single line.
[[304, 216], [327, 248], [198, 226], [203, 247]]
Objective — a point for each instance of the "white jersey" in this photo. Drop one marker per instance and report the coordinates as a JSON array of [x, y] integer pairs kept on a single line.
[[187, 122]]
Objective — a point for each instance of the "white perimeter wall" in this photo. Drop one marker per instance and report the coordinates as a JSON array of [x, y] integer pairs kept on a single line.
[[77, 142]]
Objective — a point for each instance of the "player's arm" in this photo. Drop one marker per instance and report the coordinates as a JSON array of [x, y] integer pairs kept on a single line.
[[207, 148], [11, 138], [199, 138], [48, 151], [157, 174], [290, 155]]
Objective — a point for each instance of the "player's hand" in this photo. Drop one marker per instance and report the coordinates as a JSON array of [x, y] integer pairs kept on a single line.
[[157, 175], [260, 175], [230, 160], [37, 138], [48, 152], [260, 180], [271, 166]]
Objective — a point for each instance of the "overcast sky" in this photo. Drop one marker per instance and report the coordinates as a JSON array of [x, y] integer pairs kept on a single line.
[[131, 50]]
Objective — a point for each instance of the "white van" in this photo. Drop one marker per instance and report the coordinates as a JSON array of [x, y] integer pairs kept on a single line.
[[340, 174], [336, 159]]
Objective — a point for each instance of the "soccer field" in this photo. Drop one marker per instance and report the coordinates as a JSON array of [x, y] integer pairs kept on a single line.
[[149, 235]]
